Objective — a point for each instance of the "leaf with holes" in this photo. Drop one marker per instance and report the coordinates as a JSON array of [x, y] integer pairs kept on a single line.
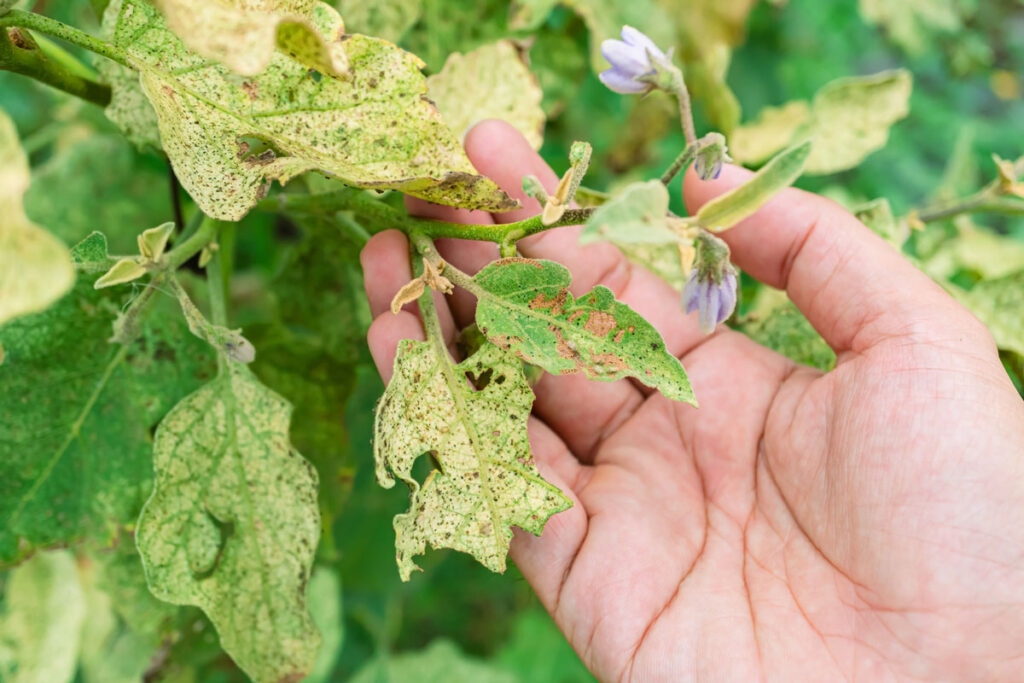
[[487, 481], [227, 136], [502, 88], [525, 306], [243, 34], [232, 524], [35, 267]]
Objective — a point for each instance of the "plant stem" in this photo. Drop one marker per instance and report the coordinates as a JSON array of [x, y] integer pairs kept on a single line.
[[374, 211], [680, 162], [70, 34], [27, 59], [685, 109], [192, 245], [425, 247], [980, 202]]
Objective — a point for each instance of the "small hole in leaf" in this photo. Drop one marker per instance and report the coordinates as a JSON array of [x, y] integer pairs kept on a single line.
[[424, 466]]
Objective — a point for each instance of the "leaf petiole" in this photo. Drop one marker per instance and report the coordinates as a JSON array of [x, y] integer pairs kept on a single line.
[[70, 34]]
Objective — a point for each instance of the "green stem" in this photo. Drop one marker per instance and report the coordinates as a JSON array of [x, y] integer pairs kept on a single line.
[[981, 202], [680, 162], [425, 247], [192, 245], [23, 56], [374, 211], [70, 34], [685, 109]]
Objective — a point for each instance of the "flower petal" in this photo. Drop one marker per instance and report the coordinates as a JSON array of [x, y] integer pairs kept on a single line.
[[710, 304], [629, 59], [690, 298], [728, 296], [637, 38], [622, 83]]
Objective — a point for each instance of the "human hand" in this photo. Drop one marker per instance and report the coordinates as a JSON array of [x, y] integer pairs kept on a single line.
[[861, 523]]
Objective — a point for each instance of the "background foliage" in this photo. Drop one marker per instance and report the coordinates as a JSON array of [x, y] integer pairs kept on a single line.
[[297, 293]]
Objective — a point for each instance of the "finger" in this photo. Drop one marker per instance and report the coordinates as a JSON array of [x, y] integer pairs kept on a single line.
[[854, 287], [384, 334], [467, 255], [386, 268], [500, 152]]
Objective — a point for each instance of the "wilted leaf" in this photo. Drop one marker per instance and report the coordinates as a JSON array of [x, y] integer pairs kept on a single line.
[[70, 401], [441, 662], [35, 267], [851, 118], [726, 210], [999, 304], [848, 119], [491, 82], [44, 611], [393, 139], [635, 216], [243, 34], [487, 481], [232, 524], [387, 19], [913, 23], [525, 306], [758, 140]]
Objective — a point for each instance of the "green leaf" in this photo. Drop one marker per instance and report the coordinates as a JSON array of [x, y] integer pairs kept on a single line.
[[487, 481], [387, 19], [42, 620], [851, 118], [91, 253], [441, 662], [244, 34], [636, 216], [848, 120], [232, 524], [125, 270], [70, 400], [325, 603], [999, 304], [35, 267], [373, 130], [491, 82], [525, 306], [726, 210], [878, 216], [979, 251], [784, 328]]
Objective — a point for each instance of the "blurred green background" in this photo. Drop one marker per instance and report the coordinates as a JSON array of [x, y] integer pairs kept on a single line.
[[967, 60]]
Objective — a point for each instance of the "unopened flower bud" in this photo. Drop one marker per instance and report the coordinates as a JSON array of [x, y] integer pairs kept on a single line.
[[710, 156], [711, 286], [637, 64]]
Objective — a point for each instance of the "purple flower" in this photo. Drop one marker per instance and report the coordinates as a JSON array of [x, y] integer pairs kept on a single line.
[[635, 61], [710, 156], [714, 301]]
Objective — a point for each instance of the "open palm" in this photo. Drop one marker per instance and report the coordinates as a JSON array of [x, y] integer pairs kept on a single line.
[[860, 524]]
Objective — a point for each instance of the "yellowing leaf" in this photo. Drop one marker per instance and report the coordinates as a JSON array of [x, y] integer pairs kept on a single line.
[[152, 242], [491, 82], [912, 23], [125, 270], [44, 611], [487, 481], [35, 267], [999, 304], [758, 140], [525, 306], [374, 130], [726, 210], [387, 19], [979, 250], [233, 523], [848, 119], [243, 34], [851, 118], [636, 216]]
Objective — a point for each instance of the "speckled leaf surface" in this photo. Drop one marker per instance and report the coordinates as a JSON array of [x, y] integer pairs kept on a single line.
[[35, 266], [243, 34], [232, 524], [488, 481], [757, 140], [636, 216], [41, 624], [999, 304], [374, 129], [491, 82], [526, 307], [76, 413], [728, 209]]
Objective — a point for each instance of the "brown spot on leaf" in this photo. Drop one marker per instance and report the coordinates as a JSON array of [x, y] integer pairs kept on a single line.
[[555, 303], [600, 323], [251, 89]]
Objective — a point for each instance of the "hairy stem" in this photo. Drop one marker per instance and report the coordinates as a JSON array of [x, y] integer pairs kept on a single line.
[[685, 109], [679, 163], [981, 202], [20, 54], [192, 245], [70, 34], [383, 217], [425, 247]]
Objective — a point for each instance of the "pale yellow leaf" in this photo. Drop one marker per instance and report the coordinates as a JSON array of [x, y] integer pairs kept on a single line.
[[759, 139]]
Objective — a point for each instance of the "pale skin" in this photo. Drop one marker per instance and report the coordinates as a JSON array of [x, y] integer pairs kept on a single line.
[[862, 524]]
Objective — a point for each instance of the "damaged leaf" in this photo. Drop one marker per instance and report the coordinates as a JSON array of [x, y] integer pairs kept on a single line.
[[487, 481], [525, 306], [35, 266], [491, 82], [233, 523], [637, 216], [375, 129]]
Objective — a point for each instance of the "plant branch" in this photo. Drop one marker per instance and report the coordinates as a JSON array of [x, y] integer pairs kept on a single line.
[[384, 216], [679, 163], [685, 108], [980, 202], [70, 34], [21, 55], [192, 245]]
